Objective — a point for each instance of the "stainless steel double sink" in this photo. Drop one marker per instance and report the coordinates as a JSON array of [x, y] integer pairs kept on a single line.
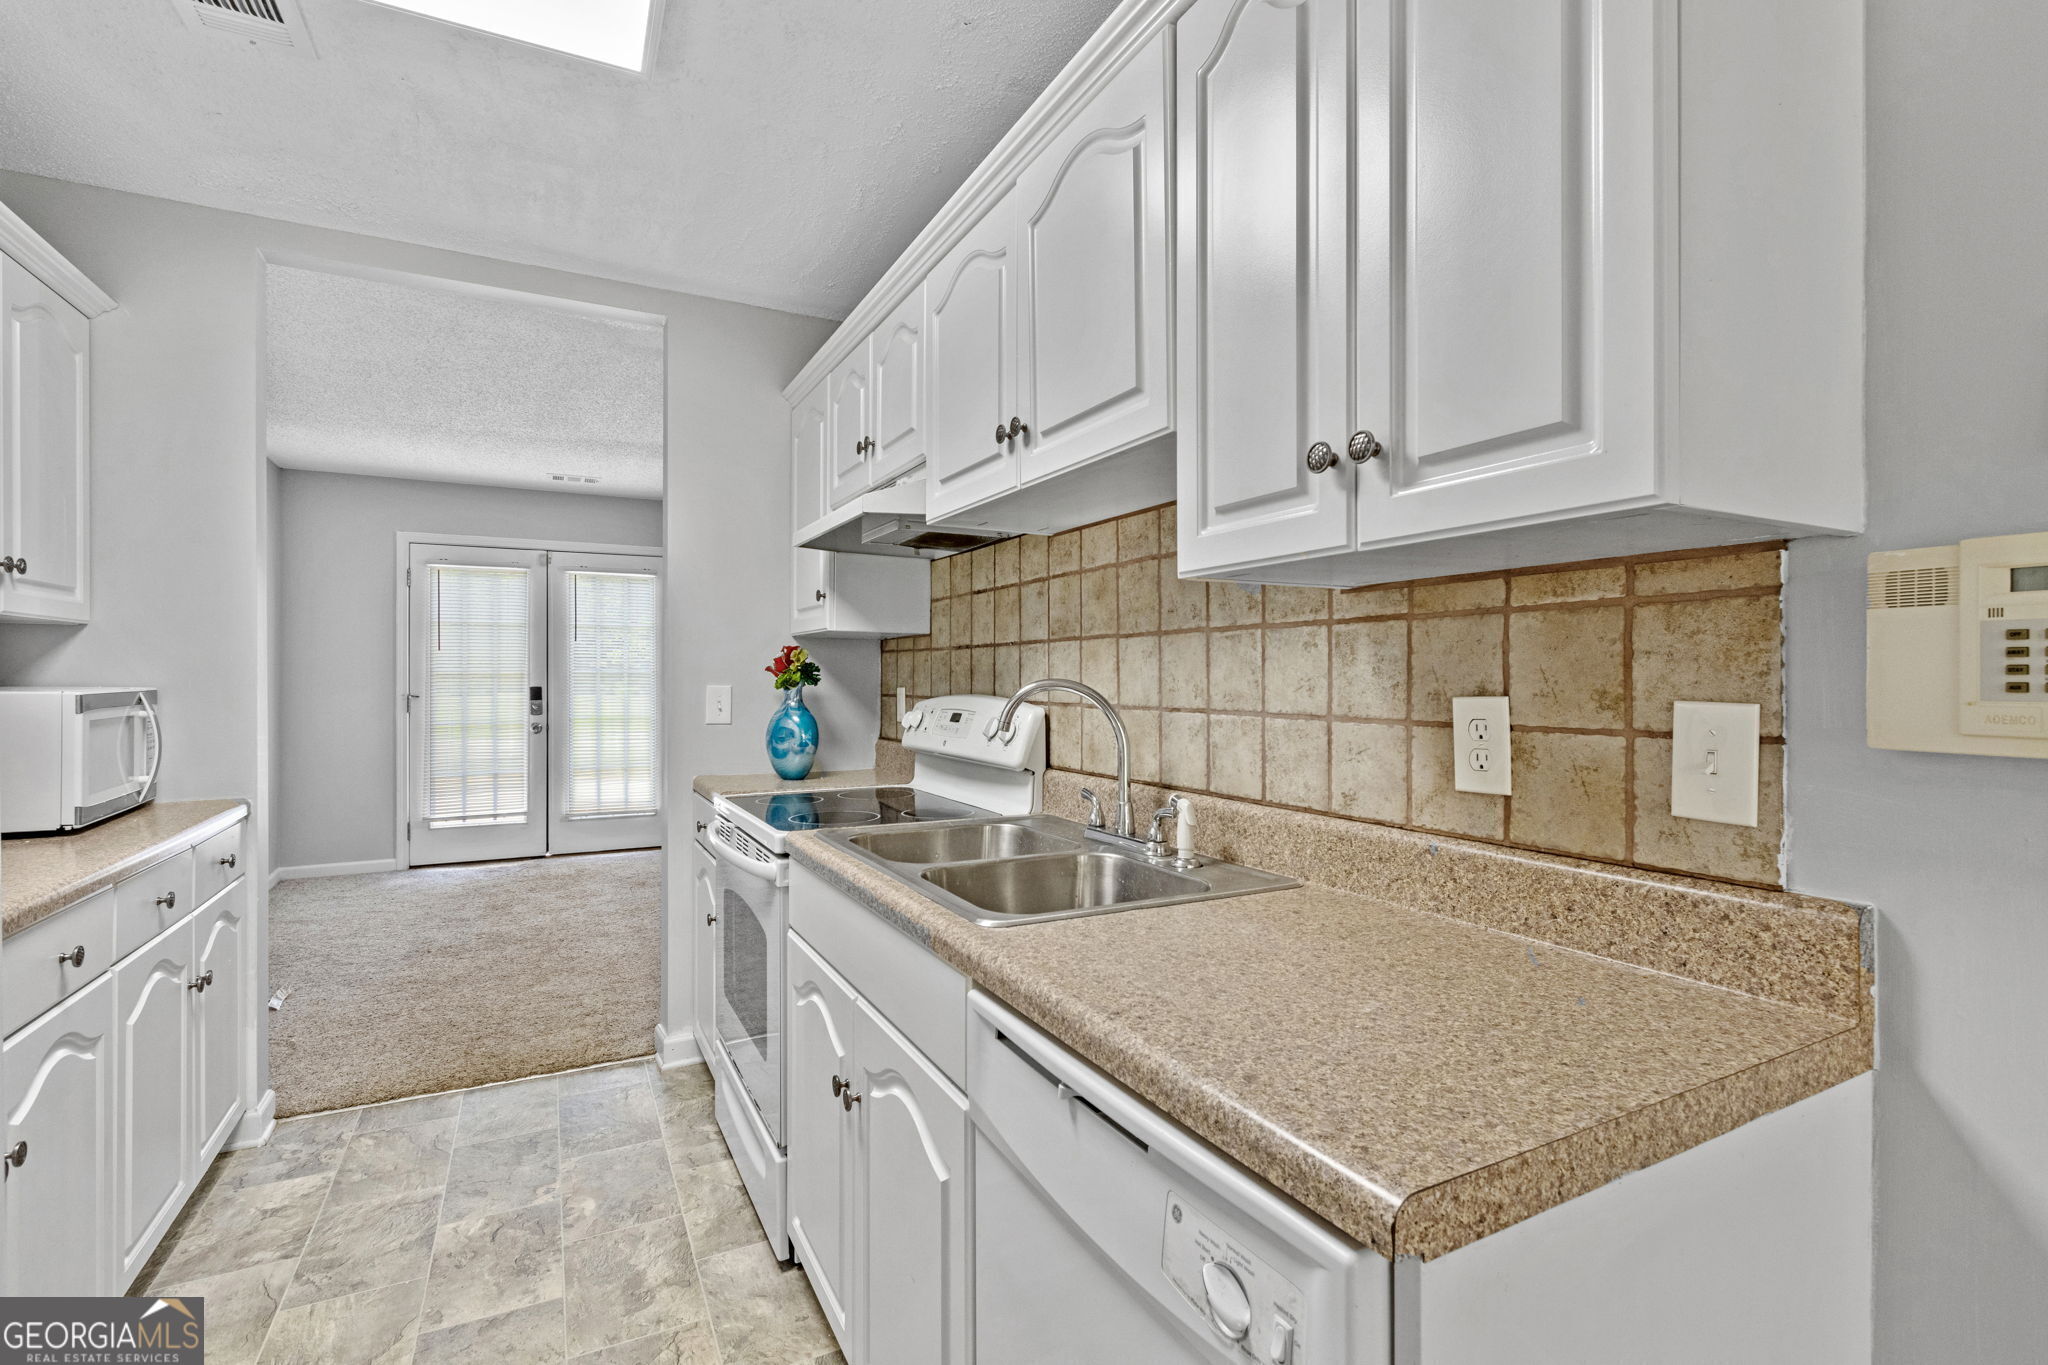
[[1035, 868]]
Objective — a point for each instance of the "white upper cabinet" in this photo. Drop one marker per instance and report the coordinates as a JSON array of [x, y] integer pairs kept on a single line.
[[45, 362], [850, 394], [809, 424], [1264, 258], [896, 429], [1095, 349], [970, 328]]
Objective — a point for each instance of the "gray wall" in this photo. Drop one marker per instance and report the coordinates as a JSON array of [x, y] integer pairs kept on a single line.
[[1952, 850], [337, 717]]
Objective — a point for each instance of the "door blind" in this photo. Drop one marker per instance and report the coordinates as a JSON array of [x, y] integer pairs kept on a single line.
[[614, 735], [478, 652]]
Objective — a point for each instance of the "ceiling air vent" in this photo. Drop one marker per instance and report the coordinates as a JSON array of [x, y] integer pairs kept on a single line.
[[1934, 586], [574, 478], [275, 23]]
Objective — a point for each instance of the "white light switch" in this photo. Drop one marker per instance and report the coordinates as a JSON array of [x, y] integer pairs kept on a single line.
[[1481, 757], [718, 704], [1714, 761]]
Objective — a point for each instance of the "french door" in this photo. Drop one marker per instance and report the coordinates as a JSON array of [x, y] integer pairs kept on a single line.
[[532, 703]]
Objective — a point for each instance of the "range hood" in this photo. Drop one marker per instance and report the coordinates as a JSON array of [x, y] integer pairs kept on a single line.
[[890, 521]]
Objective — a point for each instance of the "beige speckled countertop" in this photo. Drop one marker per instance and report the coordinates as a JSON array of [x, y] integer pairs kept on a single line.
[[40, 876], [1416, 1079]]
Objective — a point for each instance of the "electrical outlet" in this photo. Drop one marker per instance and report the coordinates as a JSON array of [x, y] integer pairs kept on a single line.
[[718, 704], [1714, 761], [1482, 753]]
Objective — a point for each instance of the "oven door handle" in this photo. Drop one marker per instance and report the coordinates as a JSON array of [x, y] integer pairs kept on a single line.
[[733, 858]]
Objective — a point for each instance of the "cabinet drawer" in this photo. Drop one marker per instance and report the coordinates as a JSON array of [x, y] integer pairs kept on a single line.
[[32, 978], [152, 901], [218, 863]]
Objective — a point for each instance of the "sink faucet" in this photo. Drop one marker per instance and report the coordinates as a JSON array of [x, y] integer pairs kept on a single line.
[[1116, 727]]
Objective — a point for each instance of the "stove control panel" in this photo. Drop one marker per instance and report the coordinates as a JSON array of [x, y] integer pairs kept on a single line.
[[959, 727]]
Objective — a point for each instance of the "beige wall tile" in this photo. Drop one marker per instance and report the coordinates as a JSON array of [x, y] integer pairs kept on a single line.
[[1169, 527], [1142, 728], [1007, 631], [1067, 746], [1235, 604], [1138, 597], [921, 673], [1032, 616], [1453, 657], [1369, 669], [1098, 601], [1184, 749], [1716, 573], [1356, 602], [1098, 544], [1063, 553], [1565, 668], [1369, 770], [1184, 669], [1032, 663], [1237, 755], [1571, 794], [1298, 763], [1715, 649], [1005, 562], [1235, 681], [984, 669], [984, 607], [1031, 557], [1137, 535], [1099, 742], [1472, 595], [942, 577], [1064, 660], [963, 620], [1098, 665], [1063, 606], [1297, 604], [1734, 852], [1436, 803], [983, 564], [1137, 673], [1568, 585], [1008, 664], [1298, 670], [1183, 602]]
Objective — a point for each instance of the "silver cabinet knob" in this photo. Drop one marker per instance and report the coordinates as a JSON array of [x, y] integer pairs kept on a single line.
[[14, 1156], [1002, 433], [711, 919], [10, 563], [1364, 446], [821, 594], [1321, 457], [1017, 428], [168, 900], [839, 1086], [229, 861], [200, 983], [74, 958], [847, 1099]]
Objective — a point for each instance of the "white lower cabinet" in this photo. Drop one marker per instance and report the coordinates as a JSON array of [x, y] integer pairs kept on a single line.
[[59, 1087], [118, 1097], [877, 1175]]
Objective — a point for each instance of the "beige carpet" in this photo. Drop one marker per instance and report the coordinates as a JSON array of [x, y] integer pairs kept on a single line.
[[408, 983]]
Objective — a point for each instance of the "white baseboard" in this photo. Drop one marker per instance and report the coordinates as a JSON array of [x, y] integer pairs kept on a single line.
[[675, 1050], [289, 874], [256, 1126]]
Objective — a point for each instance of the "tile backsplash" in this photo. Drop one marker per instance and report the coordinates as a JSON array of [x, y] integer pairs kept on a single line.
[[1338, 702]]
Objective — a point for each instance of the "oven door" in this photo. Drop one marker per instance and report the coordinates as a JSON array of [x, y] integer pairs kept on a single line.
[[750, 888], [119, 750]]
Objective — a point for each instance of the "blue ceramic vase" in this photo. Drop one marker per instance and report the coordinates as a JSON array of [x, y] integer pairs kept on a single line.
[[793, 737]]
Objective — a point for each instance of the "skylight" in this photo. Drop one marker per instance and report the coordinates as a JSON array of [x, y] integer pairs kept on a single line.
[[614, 32]]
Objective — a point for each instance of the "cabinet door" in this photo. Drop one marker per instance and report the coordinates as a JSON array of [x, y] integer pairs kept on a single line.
[[1506, 199], [821, 1038], [59, 1084], [971, 328], [1263, 278], [810, 577], [910, 1203], [1092, 311], [899, 423], [809, 422], [155, 1018], [44, 474], [848, 392], [220, 935]]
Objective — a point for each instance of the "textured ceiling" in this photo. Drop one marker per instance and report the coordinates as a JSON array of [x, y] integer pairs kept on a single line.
[[780, 151], [370, 376]]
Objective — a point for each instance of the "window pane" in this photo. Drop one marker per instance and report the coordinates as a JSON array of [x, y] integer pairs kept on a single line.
[[477, 651], [614, 739]]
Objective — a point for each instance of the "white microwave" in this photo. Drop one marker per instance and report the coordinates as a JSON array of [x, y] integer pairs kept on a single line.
[[74, 756]]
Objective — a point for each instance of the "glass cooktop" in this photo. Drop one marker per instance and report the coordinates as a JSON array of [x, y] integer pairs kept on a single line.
[[790, 812]]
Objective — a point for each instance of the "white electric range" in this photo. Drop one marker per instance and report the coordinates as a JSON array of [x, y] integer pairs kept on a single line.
[[963, 772]]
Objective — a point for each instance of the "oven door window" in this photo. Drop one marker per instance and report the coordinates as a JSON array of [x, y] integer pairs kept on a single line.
[[749, 952]]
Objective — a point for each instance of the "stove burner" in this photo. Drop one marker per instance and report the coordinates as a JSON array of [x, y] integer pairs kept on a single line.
[[793, 812]]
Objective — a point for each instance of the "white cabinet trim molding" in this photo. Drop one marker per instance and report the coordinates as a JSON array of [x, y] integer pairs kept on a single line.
[[42, 260]]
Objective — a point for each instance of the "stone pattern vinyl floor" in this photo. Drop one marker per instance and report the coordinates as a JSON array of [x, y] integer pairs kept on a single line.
[[594, 1217]]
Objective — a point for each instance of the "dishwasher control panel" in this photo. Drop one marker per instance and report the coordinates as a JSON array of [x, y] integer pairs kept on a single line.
[[1250, 1307]]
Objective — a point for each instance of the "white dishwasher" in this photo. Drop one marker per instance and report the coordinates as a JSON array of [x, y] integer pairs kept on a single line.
[[1106, 1235]]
